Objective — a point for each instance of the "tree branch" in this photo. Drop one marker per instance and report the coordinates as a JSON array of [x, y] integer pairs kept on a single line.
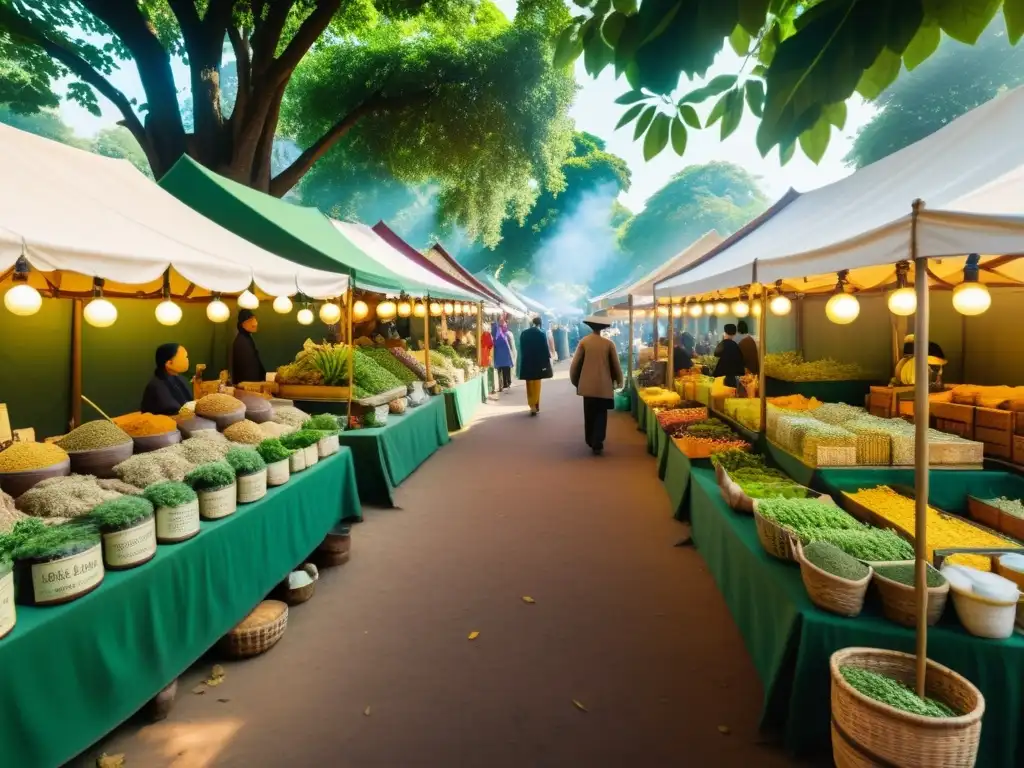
[[243, 63], [267, 33], [291, 175], [307, 35], [262, 168]]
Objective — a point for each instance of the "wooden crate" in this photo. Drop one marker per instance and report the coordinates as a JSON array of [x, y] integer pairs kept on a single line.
[[994, 428], [884, 401], [311, 392], [953, 418], [1018, 449]]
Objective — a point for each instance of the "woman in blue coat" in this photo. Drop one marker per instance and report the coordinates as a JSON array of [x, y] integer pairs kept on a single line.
[[503, 361]]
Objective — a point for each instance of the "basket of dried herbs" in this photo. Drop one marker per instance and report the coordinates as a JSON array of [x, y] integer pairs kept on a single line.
[[895, 584], [835, 581]]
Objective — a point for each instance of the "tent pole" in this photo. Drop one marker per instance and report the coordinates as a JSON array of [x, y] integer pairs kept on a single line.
[[426, 336], [76, 363], [920, 449], [762, 348], [351, 352], [479, 333], [669, 373], [629, 346], [654, 321]]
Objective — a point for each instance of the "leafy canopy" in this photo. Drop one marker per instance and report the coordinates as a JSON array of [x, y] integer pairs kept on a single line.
[[803, 59]]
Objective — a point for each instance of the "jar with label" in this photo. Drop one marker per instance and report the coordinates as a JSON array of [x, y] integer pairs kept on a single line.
[[176, 510], [128, 527], [252, 487], [60, 575], [278, 472], [218, 503], [8, 617]]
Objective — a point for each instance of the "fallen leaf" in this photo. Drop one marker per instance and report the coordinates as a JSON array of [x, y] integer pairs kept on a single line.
[[213, 682], [724, 730], [223, 701], [474, 635], [217, 671], [528, 599], [579, 705], [109, 761], [199, 690], [366, 711]]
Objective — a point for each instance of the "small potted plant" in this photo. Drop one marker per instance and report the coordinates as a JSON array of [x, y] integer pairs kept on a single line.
[[277, 459], [8, 618], [327, 426], [128, 528], [214, 483], [304, 440], [54, 564], [177, 511], [251, 472]]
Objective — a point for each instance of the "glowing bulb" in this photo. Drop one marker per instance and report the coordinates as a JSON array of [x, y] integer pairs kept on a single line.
[[360, 310], [404, 309], [282, 305], [420, 310], [23, 300], [168, 313], [709, 308], [458, 308], [740, 308], [386, 310], [304, 316], [330, 313], [971, 299], [780, 305], [662, 311], [842, 309], [677, 311], [721, 308], [100, 313], [448, 308], [755, 308], [248, 300], [217, 311], [696, 310], [639, 313], [903, 302], [435, 309]]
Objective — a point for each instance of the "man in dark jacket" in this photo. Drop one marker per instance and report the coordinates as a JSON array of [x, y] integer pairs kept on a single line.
[[748, 347], [534, 362], [730, 358], [244, 361]]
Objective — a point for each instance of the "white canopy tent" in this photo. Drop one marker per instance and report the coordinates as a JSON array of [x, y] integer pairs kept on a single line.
[[76, 216], [968, 176]]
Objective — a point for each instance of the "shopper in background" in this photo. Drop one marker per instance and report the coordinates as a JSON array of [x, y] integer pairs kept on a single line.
[[486, 357], [595, 372], [682, 353], [503, 359], [748, 348], [730, 358], [244, 359], [534, 363]]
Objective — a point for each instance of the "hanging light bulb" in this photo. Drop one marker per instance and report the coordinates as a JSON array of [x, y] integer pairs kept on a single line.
[[217, 311], [282, 305], [740, 307], [458, 308], [435, 309], [902, 301], [677, 310], [22, 299], [167, 312], [639, 313], [721, 308], [709, 308], [330, 313], [404, 308], [99, 312], [304, 316], [842, 308], [360, 310], [448, 308], [662, 311], [386, 310], [420, 310], [780, 305], [696, 310], [971, 298], [247, 299]]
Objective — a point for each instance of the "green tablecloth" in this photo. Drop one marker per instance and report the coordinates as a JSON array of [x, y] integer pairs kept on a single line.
[[462, 402], [791, 641], [851, 391], [675, 476], [386, 456], [73, 673]]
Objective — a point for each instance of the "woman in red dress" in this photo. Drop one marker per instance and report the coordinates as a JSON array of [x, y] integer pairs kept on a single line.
[[486, 349]]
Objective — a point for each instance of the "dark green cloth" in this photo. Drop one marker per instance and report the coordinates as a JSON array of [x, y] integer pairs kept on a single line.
[[676, 479], [850, 391], [73, 673], [791, 641], [386, 456], [462, 402]]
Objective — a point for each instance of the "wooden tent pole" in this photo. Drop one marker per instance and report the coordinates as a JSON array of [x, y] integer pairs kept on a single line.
[[762, 349], [654, 321], [629, 346], [351, 351], [76, 363], [479, 334], [920, 450], [426, 337], [669, 377]]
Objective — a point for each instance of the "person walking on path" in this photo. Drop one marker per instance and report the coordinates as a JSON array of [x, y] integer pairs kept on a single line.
[[486, 353], [595, 372], [503, 354], [534, 363], [730, 358]]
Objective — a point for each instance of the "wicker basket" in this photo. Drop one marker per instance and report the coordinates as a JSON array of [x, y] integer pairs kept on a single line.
[[258, 632], [301, 594], [830, 592], [866, 732], [776, 540], [899, 601]]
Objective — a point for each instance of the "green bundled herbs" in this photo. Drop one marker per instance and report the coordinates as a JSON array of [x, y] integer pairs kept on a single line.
[[121, 513], [371, 377], [904, 574], [33, 539], [383, 357], [273, 451], [803, 515], [322, 422], [757, 490], [713, 429], [169, 494], [245, 461], [864, 543], [733, 460], [331, 362], [1009, 506], [302, 439], [211, 477], [894, 693], [830, 558], [759, 475]]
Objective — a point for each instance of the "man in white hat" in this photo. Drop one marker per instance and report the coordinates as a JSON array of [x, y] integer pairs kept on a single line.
[[596, 373]]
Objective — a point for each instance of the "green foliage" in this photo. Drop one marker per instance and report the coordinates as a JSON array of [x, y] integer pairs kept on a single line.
[[954, 81], [211, 477], [272, 451], [245, 461], [301, 439], [322, 422], [120, 513], [31, 538], [46, 123], [807, 57], [169, 494], [118, 142]]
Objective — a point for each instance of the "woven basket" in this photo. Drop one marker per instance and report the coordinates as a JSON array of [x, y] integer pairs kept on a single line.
[[867, 732], [899, 601], [874, 449], [301, 594], [775, 539], [830, 455], [258, 632], [830, 592]]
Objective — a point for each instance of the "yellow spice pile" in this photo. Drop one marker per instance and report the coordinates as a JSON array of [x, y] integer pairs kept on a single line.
[[218, 404], [146, 424], [20, 457]]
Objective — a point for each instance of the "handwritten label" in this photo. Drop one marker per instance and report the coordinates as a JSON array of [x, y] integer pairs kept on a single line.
[[7, 617], [277, 473], [176, 523], [213, 505], [68, 577], [312, 455], [252, 487], [297, 461], [130, 546]]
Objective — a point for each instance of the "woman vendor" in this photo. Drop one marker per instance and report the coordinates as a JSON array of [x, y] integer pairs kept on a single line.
[[167, 391], [244, 362]]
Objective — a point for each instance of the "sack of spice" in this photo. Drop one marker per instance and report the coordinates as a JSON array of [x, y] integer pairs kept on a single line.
[[93, 435], [22, 457], [145, 424]]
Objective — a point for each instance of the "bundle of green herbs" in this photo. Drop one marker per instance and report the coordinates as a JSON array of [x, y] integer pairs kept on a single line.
[[323, 422], [802, 515], [864, 543], [33, 539], [169, 494], [830, 558], [117, 514], [245, 461], [894, 693], [904, 574], [733, 460], [273, 451], [301, 439], [211, 477]]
